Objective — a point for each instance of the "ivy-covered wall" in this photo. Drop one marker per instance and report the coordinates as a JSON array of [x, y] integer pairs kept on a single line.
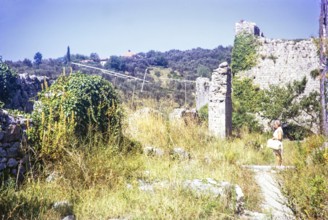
[[244, 52]]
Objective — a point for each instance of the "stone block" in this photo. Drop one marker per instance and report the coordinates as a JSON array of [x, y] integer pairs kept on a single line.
[[2, 134], [153, 151], [180, 153], [13, 133], [12, 162], [3, 152], [16, 145], [12, 152], [3, 166]]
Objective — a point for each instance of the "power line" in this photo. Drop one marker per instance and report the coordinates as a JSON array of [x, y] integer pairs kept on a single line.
[[131, 77], [112, 73]]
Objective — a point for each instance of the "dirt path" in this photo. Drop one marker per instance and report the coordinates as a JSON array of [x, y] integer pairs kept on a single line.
[[274, 201]]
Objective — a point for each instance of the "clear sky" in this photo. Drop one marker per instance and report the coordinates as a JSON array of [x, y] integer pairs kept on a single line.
[[111, 27]]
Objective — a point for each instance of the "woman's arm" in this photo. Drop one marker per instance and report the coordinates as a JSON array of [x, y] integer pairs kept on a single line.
[[280, 135]]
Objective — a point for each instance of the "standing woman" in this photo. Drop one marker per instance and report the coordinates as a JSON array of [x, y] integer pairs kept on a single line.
[[275, 143]]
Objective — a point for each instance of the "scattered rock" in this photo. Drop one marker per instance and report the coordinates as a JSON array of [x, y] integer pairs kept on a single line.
[[229, 193], [69, 217], [223, 190], [153, 151], [62, 206], [180, 153], [144, 186], [52, 177], [183, 113], [249, 215], [12, 162], [207, 160]]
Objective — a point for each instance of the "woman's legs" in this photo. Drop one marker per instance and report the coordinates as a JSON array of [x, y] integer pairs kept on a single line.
[[278, 157]]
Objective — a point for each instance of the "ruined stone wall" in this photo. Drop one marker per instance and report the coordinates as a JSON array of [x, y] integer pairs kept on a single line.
[[283, 61], [26, 93], [279, 62], [202, 92], [220, 105], [243, 27], [13, 158]]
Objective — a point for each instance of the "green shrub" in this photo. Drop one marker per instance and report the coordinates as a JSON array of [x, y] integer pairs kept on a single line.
[[203, 113], [75, 108], [315, 73], [288, 103], [246, 102], [91, 100], [8, 83], [306, 185], [296, 132], [244, 54], [273, 58]]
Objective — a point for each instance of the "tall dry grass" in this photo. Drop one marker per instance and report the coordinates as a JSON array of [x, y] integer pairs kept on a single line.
[[101, 182]]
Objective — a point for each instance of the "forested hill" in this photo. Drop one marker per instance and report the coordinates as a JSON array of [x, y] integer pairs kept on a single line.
[[163, 71], [188, 64]]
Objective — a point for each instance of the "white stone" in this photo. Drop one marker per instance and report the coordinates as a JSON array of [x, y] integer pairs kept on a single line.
[[220, 104], [202, 92]]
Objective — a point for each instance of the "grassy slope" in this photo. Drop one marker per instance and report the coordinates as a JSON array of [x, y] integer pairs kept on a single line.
[[95, 181]]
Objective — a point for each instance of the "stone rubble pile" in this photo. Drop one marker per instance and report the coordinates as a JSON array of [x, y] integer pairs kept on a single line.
[[27, 91], [13, 160]]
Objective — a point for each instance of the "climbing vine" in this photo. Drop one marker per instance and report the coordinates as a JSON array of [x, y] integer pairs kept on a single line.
[[244, 52]]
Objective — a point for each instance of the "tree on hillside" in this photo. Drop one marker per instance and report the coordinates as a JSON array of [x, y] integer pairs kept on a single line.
[[38, 58], [27, 62], [116, 63], [323, 23], [95, 57], [68, 55], [203, 71]]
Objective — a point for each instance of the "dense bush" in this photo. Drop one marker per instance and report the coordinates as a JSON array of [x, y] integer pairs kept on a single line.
[[284, 102], [306, 186], [75, 107], [191, 63], [8, 83], [246, 102], [91, 99], [203, 113]]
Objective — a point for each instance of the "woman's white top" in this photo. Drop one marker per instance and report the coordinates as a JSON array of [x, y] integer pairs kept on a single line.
[[276, 132], [275, 143]]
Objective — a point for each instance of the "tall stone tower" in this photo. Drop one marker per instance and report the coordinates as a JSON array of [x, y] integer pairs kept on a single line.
[[245, 27], [220, 104]]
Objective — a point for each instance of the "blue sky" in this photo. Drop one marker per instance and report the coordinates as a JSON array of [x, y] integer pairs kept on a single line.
[[111, 27]]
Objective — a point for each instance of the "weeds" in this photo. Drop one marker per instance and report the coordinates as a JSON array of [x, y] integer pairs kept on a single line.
[[306, 185], [101, 181]]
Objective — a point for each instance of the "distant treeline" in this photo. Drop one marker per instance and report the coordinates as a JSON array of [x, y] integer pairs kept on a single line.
[[188, 64]]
